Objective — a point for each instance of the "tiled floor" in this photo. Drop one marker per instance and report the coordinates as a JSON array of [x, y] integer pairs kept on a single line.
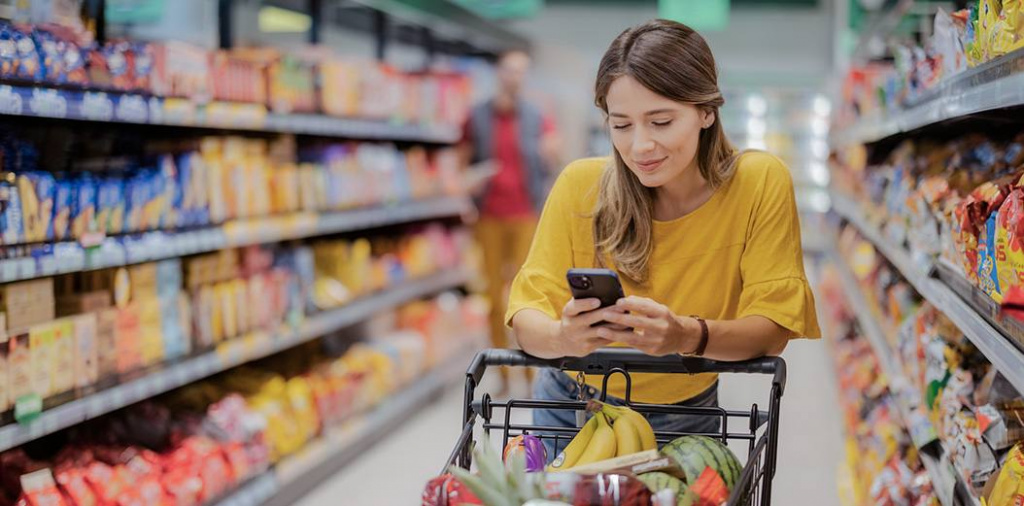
[[810, 444]]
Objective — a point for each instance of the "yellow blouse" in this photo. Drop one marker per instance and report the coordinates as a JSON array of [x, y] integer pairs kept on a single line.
[[737, 255]]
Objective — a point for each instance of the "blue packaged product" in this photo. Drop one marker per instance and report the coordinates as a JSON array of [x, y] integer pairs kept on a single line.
[[51, 55], [29, 65], [191, 198], [13, 231], [63, 200], [8, 52], [169, 212], [74, 64], [83, 212], [142, 61], [132, 204], [110, 206], [36, 190]]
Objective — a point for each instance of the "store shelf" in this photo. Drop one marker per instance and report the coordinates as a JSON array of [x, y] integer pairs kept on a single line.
[[945, 480], [151, 246], [993, 85], [229, 354], [136, 109], [293, 477], [1003, 354]]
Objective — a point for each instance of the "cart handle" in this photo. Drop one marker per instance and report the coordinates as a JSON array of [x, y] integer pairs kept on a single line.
[[603, 361]]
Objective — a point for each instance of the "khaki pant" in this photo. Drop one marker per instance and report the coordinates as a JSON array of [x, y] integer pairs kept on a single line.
[[505, 243]]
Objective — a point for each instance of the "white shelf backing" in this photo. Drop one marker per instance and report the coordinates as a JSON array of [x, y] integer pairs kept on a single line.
[[230, 354], [1003, 354], [994, 85], [158, 245], [943, 477], [291, 478]]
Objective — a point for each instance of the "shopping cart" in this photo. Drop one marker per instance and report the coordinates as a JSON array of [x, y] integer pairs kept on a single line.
[[761, 432]]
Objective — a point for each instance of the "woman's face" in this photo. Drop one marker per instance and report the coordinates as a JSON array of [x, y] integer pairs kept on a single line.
[[656, 136]]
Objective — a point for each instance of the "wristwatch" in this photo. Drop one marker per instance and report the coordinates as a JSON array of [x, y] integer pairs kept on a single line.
[[699, 352]]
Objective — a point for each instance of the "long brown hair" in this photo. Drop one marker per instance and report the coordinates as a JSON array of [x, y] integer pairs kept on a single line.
[[674, 61]]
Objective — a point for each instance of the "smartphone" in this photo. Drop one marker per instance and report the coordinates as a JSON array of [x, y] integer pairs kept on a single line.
[[602, 284]]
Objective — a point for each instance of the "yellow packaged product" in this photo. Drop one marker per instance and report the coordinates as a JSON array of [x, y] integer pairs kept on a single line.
[[1010, 241], [300, 397], [1009, 485], [40, 343], [63, 356]]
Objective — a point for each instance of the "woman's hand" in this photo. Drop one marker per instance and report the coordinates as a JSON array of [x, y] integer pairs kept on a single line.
[[656, 331], [576, 336]]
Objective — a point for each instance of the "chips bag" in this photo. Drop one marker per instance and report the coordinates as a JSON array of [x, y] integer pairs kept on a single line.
[[1009, 486]]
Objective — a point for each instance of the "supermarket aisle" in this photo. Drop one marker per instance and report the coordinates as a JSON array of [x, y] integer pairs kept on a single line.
[[394, 472]]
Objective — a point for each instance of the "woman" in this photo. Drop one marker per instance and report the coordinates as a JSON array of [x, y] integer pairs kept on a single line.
[[705, 240]]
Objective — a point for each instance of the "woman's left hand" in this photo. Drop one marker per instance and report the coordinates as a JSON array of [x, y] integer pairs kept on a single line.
[[656, 331]]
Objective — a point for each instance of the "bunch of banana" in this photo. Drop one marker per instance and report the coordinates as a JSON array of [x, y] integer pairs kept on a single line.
[[613, 431]]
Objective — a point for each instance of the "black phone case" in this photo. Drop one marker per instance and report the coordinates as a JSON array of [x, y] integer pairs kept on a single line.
[[604, 285]]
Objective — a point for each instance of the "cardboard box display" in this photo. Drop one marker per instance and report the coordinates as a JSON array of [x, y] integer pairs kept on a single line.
[[19, 367], [42, 358], [63, 373], [128, 339], [106, 343], [86, 367]]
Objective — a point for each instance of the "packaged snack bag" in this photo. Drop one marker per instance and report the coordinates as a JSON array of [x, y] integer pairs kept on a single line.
[[110, 206], [63, 202], [83, 210], [8, 52], [13, 231], [1010, 241], [1009, 485], [51, 55], [36, 191], [28, 60]]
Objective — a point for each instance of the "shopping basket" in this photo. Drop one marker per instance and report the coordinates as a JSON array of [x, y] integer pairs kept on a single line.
[[761, 429]]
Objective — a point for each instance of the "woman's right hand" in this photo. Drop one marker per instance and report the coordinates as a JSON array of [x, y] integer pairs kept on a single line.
[[576, 336]]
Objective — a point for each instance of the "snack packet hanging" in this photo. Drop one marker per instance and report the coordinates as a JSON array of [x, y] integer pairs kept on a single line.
[[1009, 486]]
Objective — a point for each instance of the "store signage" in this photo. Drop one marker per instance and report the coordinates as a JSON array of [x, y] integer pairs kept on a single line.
[[708, 15]]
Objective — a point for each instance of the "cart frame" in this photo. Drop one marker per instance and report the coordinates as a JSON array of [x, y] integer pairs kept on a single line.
[[762, 427]]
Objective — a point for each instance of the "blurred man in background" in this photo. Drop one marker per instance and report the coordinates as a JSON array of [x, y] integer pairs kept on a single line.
[[516, 144]]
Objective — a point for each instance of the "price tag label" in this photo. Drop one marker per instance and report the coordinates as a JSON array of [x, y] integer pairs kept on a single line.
[[10, 101], [27, 267], [228, 354], [97, 106], [27, 408], [9, 269], [48, 103], [255, 344], [48, 266], [132, 109], [179, 111], [156, 110]]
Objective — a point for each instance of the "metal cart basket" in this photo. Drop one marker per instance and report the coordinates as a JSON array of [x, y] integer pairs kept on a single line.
[[758, 428]]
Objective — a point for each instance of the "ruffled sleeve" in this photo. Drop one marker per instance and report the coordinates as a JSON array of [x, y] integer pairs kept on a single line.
[[772, 266], [540, 283]]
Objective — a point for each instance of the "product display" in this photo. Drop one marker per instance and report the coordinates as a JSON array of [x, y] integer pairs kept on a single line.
[[881, 454], [986, 30], [226, 178], [193, 445], [274, 80]]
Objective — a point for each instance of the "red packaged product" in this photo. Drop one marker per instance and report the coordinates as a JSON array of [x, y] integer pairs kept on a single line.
[[41, 490], [182, 487], [107, 482], [76, 487], [238, 461], [445, 490]]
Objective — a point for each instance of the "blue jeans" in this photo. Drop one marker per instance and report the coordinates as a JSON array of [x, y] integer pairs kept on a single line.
[[555, 385]]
